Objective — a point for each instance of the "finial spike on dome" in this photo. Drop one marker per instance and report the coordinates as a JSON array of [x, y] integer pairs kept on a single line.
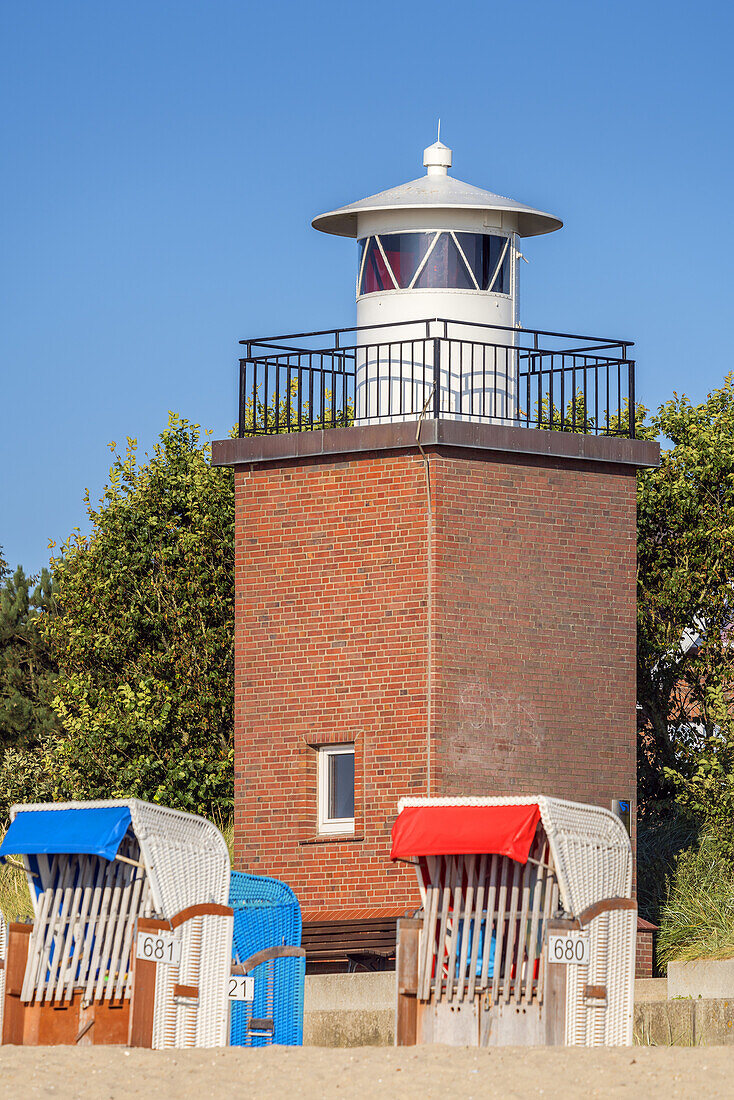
[[438, 135], [437, 157]]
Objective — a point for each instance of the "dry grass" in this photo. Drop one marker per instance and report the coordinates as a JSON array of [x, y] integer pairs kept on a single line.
[[15, 901], [228, 834], [697, 917]]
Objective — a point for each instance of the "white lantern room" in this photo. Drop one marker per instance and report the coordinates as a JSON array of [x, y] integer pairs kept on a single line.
[[437, 249]]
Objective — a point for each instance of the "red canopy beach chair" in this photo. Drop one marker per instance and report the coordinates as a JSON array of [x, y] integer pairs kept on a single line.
[[527, 933]]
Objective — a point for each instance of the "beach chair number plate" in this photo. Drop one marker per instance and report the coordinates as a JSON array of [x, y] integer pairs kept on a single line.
[[161, 948], [241, 988], [572, 948]]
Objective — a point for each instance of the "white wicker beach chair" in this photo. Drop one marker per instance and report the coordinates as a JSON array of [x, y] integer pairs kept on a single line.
[[478, 956], [168, 874]]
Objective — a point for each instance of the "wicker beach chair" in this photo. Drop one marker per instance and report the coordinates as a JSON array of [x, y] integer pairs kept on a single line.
[[503, 879], [267, 947], [100, 874]]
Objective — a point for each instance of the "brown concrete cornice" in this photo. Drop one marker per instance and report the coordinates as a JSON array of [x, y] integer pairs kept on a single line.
[[335, 442]]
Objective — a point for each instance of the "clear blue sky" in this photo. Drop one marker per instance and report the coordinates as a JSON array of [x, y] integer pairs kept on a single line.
[[162, 162]]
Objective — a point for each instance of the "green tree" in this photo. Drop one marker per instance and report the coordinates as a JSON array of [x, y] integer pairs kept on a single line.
[[143, 633], [685, 659], [27, 671]]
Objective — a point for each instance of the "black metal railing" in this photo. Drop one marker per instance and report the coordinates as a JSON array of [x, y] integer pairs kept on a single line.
[[437, 368]]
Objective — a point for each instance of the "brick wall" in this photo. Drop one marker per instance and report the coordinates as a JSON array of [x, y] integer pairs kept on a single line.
[[645, 966], [535, 626], [645, 957], [523, 581], [330, 646]]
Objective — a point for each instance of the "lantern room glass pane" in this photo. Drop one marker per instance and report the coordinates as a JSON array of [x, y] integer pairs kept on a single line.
[[483, 251], [341, 785], [375, 275], [404, 252], [445, 268]]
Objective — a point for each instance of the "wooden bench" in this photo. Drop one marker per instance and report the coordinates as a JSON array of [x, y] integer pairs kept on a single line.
[[367, 942]]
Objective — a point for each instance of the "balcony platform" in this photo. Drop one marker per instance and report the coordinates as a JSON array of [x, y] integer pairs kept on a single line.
[[437, 369], [438, 433]]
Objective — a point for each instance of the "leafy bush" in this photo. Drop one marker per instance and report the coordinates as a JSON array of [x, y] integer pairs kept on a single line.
[[143, 634], [685, 549], [28, 775]]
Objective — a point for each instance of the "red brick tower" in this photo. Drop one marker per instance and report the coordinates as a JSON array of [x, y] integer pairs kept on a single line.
[[438, 599]]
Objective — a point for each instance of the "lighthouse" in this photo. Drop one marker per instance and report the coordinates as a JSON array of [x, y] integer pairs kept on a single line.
[[435, 569], [437, 248]]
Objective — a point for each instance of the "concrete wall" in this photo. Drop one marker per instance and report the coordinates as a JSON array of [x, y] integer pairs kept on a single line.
[[349, 1010], [358, 1010], [702, 978], [684, 1022]]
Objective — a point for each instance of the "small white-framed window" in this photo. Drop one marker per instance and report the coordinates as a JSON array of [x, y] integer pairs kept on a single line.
[[336, 788]]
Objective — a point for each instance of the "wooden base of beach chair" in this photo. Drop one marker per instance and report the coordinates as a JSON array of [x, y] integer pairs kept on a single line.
[[475, 1021], [72, 1024], [56, 1023], [163, 1001]]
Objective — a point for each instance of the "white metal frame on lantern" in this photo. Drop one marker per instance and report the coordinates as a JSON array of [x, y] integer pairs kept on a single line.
[[577, 882], [171, 870]]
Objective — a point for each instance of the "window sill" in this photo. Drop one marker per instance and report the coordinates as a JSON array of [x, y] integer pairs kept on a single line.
[[332, 838]]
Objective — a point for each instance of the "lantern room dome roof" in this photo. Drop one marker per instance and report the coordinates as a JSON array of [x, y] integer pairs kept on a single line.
[[437, 190]]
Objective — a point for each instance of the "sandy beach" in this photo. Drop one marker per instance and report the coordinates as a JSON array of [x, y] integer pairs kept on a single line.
[[366, 1073]]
